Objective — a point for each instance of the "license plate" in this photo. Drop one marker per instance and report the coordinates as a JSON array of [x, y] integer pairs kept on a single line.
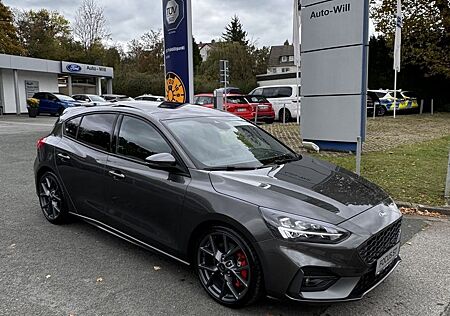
[[263, 108], [387, 258], [241, 110]]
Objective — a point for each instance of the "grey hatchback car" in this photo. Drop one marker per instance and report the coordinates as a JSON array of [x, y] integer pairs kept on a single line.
[[211, 190]]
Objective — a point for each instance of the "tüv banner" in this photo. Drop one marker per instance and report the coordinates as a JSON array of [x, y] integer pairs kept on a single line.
[[178, 41]]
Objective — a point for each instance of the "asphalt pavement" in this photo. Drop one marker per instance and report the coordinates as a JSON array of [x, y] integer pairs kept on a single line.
[[77, 269]]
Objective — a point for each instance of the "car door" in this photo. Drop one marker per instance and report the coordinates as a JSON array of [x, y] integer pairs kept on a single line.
[[146, 203], [81, 160], [43, 102]]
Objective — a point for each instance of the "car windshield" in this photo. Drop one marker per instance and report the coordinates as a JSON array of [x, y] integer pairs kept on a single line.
[[96, 98], [64, 97], [236, 100], [256, 99], [124, 98], [228, 144]]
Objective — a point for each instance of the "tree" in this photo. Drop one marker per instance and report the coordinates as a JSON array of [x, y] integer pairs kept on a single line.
[[196, 55], [260, 57], [44, 34], [147, 52], [426, 32], [90, 26], [9, 41], [240, 63], [234, 32]]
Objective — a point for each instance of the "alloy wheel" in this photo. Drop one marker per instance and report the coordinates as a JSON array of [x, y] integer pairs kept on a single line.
[[50, 197], [224, 267]]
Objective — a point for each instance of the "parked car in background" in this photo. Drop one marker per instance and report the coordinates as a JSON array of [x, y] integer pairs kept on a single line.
[[204, 99], [412, 98], [54, 103], [116, 97], [406, 100], [90, 99], [238, 105], [150, 97], [283, 99], [262, 108]]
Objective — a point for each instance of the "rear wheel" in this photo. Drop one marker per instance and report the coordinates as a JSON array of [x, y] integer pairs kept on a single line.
[[287, 116], [228, 268], [51, 199]]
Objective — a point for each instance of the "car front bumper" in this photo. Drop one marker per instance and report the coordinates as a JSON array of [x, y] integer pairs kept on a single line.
[[346, 271]]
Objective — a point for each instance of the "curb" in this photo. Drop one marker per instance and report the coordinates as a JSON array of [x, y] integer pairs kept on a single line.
[[440, 209]]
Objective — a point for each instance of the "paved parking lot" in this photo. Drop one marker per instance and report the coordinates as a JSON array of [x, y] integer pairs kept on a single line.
[[76, 269]]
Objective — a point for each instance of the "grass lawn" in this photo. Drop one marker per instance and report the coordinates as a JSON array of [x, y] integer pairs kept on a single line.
[[410, 173]]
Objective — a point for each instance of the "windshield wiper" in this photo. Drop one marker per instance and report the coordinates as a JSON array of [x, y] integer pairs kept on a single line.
[[285, 158]]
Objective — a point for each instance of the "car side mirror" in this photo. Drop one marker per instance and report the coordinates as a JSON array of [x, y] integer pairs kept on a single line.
[[163, 161]]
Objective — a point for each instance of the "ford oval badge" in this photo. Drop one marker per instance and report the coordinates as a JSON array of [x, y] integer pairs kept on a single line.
[[73, 68]]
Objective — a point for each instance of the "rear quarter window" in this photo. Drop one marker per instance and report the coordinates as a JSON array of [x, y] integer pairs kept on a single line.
[[71, 127]]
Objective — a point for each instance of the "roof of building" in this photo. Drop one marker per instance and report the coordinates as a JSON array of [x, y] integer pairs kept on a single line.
[[276, 52]]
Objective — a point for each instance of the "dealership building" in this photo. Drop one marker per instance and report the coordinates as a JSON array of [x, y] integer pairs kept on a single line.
[[21, 77]]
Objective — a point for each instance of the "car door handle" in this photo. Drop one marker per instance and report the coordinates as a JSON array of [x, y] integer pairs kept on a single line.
[[117, 174], [64, 157]]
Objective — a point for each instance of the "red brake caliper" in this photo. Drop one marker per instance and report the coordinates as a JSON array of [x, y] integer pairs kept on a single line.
[[241, 262]]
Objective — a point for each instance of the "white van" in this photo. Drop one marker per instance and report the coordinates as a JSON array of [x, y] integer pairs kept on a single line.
[[281, 96]]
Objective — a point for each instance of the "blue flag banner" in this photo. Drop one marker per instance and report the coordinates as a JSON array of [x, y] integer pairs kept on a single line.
[[178, 60]]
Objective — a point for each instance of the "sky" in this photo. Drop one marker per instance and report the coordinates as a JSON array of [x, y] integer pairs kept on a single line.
[[268, 22]]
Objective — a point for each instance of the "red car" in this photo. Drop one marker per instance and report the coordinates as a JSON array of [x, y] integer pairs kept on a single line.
[[242, 106]]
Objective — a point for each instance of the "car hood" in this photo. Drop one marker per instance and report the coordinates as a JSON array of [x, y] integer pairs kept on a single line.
[[307, 187]]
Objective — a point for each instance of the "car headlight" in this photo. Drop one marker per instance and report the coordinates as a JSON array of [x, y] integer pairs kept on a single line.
[[299, 229]]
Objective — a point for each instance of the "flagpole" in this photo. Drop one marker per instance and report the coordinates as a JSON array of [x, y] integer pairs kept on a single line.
[[298, 95], [395, 92]]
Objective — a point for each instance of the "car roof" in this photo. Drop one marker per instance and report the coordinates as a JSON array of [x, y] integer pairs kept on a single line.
[[155, 110]]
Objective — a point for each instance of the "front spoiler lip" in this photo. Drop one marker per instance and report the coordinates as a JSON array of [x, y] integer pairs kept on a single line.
[[349, 299]]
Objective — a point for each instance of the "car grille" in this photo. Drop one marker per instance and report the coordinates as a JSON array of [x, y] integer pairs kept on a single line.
[[378, 244]]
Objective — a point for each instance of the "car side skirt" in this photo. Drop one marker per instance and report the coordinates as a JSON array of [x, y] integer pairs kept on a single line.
[[126, 237]]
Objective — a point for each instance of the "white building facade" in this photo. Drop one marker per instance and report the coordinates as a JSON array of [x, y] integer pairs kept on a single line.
[[21, 77]]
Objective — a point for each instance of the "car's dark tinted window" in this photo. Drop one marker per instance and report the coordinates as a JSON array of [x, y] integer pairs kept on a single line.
[[39, 95], [71, 127], [139, 140], [284, 92], [95, 130], [270, 92]]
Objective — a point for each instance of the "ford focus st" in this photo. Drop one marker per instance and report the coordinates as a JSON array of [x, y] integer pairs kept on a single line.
[[213, 191]]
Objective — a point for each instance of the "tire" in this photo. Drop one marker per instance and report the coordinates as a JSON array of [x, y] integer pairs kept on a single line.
[[228, 268], [51, 199], [381, 111], [287, 118]]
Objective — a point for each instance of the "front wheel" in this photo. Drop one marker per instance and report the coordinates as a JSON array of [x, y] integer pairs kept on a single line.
[[51, 198], [228, 269], [381, 111]]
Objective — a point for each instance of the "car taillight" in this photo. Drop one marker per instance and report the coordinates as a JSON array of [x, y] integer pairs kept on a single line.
[[41, 142]]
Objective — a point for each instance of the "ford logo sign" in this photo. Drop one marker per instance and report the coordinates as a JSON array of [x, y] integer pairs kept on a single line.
[[73, 68]]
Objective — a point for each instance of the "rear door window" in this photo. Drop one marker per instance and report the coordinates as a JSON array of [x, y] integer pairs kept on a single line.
[[96, 129], [284, 92], [139, 140], [270, 92]]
